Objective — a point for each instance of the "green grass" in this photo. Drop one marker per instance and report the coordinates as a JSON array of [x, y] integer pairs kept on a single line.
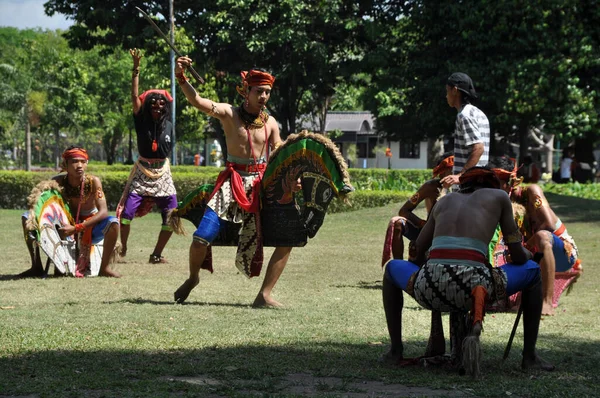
[[67, 337]]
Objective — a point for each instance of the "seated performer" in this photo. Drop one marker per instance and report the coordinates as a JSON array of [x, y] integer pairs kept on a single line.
[[544, 230], [150, 180], [82, 192], [407, 224], [457, 276], [250, 134]]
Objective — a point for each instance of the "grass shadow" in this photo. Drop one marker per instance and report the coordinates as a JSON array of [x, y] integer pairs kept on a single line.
[[573, 209]]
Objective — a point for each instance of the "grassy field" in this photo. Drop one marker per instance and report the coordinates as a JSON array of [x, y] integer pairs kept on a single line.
[[67, 337]]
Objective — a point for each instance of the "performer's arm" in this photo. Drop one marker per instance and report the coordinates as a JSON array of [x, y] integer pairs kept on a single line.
[[135, 72], [423, 242], [219, 110], [544, 216], [275, 138], [100, 201], [406, 211], [512, 235]]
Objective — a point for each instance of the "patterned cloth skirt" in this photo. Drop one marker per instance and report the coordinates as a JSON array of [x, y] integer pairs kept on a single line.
[[446, 286]]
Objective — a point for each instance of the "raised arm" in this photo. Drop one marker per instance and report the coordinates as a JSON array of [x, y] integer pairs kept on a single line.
[[428, 190], [136, 55], [424, 240], [219, 110]]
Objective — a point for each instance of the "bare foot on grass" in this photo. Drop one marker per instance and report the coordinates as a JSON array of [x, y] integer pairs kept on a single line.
[[547, 309], [266, 302], [184, 290], [536, 363], [109, 273]]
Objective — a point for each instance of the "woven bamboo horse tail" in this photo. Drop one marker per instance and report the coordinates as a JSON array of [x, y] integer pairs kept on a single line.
[[471, 356], [190, 208], [324, 175]]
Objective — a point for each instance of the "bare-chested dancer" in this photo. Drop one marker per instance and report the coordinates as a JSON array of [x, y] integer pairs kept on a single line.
[[545, 231], [250, 133], [456, 277]]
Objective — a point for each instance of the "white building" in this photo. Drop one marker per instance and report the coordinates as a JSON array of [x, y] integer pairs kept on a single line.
[[359, 128]]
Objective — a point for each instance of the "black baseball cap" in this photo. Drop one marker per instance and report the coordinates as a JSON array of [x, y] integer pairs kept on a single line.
[[463, 82]]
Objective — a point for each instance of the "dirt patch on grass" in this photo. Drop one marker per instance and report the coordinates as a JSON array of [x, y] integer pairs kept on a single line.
[[307, 385]]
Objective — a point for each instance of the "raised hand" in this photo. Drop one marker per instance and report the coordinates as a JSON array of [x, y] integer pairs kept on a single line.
[[137, 55]]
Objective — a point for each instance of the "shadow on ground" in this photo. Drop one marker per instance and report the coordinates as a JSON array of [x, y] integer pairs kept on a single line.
[[327, 369]]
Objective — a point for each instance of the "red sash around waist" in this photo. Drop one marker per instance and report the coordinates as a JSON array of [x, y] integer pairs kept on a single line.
[[252, 204], [457, 254]]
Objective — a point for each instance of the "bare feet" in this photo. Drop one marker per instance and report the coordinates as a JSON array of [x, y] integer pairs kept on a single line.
[[154, 259], [536, 363], [109, 273], [123, 251], [184, 290], [547, 309], [391, 357], [262, 301], [436, 346]]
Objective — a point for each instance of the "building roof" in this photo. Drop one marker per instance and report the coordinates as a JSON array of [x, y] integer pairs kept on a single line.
[[361, 123]]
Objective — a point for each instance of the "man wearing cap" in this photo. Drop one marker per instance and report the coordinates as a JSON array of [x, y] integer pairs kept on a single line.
[[251, 134], [472, 128], [150, 181], [456, 275], [83, 193]]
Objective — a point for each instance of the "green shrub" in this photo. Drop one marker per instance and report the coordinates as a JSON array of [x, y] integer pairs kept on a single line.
[[585, 191], [368, 199], [388, 180]]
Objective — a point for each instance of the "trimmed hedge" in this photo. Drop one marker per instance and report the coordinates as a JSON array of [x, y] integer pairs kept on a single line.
[[368, 199], [15, 186]]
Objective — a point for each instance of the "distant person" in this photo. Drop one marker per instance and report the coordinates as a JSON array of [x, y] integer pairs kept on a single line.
[[566, 167]]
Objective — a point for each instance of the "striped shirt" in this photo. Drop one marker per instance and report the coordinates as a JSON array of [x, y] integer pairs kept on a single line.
[[472, 127]]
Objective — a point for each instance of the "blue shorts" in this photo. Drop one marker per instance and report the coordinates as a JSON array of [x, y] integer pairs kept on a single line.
[[209, 228], [562, 262], [101, 228]]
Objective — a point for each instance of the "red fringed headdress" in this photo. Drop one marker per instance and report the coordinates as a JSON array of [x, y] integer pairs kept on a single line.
[[480, 176], [509, 177], [165, 93], [254, 78], [444, 165]]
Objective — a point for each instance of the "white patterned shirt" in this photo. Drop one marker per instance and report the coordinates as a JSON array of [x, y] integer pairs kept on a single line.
[[472, 127]]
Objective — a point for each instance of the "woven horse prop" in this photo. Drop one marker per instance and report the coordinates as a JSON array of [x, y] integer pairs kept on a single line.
[[286, 218], [48, 213]]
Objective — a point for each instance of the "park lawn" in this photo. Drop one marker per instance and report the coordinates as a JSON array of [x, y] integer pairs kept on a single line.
[[63, 337]]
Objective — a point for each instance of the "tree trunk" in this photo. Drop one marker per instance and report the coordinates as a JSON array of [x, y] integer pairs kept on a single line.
[[27, 145], [523, 134], [130, 149], [57, 148], [549, 154]]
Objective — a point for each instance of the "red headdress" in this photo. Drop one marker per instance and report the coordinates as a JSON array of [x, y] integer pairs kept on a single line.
[[509, 177], [480, 175], [165, 93], [444, 165], [74, 153], [254, 78]]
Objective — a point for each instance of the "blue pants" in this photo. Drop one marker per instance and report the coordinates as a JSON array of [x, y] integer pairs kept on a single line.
[[519, 277]]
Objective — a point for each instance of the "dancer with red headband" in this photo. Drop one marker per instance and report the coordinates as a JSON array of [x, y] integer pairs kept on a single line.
[[542, 228], [150, 181], [457, 276], [250, 134], [82, 192]]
